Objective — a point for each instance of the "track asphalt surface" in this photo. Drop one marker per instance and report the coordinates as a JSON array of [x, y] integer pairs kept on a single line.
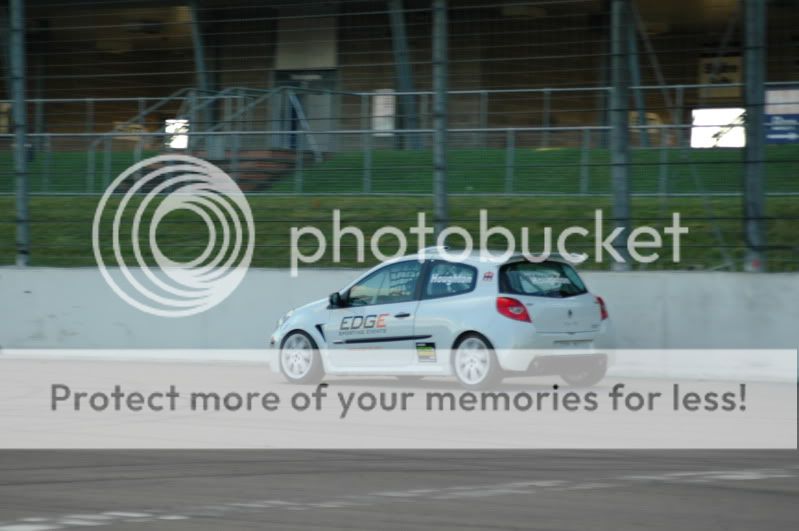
[[146, 490]]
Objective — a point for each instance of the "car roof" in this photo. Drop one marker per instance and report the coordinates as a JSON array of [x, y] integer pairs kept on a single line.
[[473, 257]]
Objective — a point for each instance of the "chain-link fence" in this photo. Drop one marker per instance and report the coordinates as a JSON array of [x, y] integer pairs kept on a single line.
[[311, 106]]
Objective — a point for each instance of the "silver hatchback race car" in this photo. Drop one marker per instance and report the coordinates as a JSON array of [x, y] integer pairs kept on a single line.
[[477, 320]]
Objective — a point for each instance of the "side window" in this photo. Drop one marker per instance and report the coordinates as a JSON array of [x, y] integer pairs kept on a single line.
[[394, 283], [447, 279]]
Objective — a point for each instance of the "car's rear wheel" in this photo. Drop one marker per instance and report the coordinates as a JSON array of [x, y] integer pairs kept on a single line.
[[475, 363], [299, 359]]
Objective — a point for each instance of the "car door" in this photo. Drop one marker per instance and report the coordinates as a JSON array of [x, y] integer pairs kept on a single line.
[[375, 328], [447, 299]]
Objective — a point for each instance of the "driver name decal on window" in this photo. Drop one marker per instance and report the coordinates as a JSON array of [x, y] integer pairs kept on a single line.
[[449, 279], [545, 279]]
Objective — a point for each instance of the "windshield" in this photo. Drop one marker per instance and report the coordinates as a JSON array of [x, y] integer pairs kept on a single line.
[[547, 279]]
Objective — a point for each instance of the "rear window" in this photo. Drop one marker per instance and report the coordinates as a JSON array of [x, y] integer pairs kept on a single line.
[[547, 279]]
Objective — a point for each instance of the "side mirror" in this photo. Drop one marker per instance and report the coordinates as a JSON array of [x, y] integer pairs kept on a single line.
[[335, 300]]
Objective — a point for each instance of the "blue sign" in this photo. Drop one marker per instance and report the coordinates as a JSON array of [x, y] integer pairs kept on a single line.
[[782, 128]]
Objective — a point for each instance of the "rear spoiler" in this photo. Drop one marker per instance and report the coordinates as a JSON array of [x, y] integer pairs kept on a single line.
[[552, 257]]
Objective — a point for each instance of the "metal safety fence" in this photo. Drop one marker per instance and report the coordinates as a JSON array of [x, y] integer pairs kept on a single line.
[[255, 136], [309, 105]]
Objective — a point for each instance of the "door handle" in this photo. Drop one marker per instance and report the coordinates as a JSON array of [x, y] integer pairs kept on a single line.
[[402, 315]]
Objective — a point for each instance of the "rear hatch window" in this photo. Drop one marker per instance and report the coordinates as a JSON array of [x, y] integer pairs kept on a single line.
[[545, 279]]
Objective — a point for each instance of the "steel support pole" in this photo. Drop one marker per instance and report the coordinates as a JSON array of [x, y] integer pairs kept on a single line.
[[603, 96], [440, 215], [16, 52], [510, 159], [366, 143], [619, 134], [754, 152], [585, 161], [653, 60], [404, 73], [545, 119], [201, 72], [635, 80]]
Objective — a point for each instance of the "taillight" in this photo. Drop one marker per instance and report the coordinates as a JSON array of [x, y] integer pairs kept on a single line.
[[603, 310], [510, 307]]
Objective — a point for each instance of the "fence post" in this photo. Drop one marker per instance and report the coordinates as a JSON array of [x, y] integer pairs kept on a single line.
[[90, 162], [275, 119], [38, 123], [510, 159], [234, 155], [440, 114], [298, 168], [367, 165], [19, 113], [137, 152], [635, 79], [585, 159], [545, 121], [663, 179], [107, 161], [366, 143], [424, 111], [89, 115], [404, 73], [226, 114], [754, 152], [193, 125], [678, 99], [620, 132], [483, 118], [48, 162]]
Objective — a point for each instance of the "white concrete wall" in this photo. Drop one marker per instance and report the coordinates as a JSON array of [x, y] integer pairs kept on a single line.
[[74, 308]]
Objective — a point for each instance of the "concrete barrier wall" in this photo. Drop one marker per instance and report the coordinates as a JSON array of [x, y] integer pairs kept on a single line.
[[74, 308]]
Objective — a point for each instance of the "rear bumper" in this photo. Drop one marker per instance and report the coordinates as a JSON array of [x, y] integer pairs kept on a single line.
[[517, 349], [551, 361]]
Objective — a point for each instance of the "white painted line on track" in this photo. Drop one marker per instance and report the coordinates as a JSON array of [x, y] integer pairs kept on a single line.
[[123, 514]]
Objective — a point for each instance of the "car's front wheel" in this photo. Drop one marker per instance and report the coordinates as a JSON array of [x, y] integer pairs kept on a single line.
[[300, 361], [475, 363]]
